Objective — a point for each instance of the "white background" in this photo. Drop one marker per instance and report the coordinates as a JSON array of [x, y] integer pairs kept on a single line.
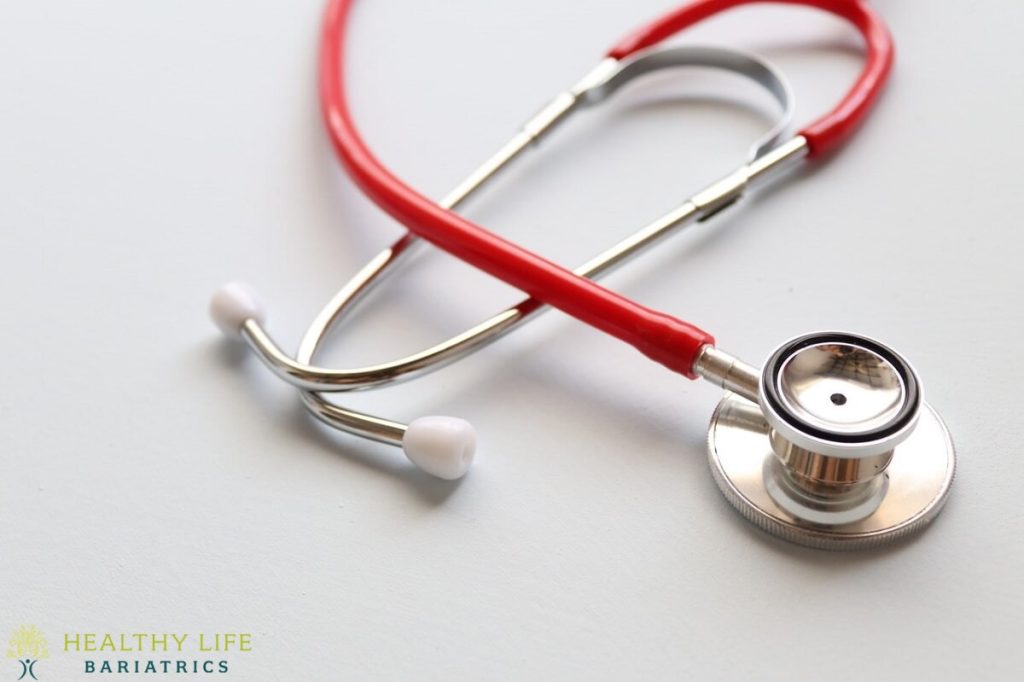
[[155, 478]]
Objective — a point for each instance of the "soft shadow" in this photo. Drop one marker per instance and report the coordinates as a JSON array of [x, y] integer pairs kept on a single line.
[[236, 359]]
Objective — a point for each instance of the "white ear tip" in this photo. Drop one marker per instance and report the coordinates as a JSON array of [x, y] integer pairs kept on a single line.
[[232, 305], [442, 446]]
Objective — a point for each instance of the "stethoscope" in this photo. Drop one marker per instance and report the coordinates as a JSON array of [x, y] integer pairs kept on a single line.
[[830, 444]]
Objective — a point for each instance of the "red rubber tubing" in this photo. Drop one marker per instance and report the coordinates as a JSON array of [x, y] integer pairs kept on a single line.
[[835, 127], [663, 338]]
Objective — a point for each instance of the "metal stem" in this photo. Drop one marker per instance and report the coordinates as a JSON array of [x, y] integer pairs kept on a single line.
[[731, 373]]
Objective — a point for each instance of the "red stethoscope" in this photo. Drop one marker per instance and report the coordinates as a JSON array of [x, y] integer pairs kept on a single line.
[[828, 444]]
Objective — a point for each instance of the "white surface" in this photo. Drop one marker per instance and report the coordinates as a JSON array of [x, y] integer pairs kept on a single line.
[[157, 478]]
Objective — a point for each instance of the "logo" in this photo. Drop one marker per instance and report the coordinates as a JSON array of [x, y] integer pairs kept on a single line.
[[27, 644]]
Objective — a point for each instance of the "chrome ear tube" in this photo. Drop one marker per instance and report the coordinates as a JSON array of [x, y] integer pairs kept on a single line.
[[444, 446], [831, 444]]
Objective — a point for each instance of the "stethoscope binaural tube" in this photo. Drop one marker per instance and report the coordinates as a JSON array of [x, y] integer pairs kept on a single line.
[[238, 310]]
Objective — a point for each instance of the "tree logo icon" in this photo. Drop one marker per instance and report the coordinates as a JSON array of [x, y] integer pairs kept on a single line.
[[27, 645]]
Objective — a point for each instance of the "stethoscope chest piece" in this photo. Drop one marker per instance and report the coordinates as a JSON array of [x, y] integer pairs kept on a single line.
[[840, 453]]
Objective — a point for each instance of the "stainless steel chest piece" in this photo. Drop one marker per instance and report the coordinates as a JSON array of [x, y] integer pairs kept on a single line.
[[841, 451]]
